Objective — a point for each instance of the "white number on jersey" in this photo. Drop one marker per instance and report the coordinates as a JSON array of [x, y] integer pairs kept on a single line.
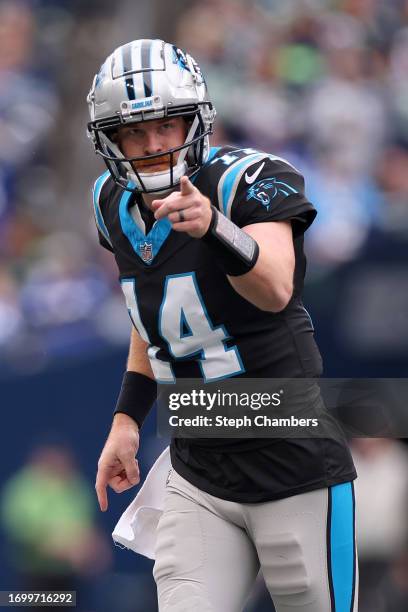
[[186, 327], [161, 369]]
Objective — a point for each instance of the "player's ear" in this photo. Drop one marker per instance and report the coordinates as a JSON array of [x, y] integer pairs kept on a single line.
[[187, 125], [114, 136]]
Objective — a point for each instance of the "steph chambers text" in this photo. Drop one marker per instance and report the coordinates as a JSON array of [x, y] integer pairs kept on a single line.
[[258, 421]]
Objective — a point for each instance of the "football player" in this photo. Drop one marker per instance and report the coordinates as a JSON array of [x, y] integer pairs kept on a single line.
[[209, 246]]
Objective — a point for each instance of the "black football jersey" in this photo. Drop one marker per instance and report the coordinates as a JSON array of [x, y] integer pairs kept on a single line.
[[198, 326]]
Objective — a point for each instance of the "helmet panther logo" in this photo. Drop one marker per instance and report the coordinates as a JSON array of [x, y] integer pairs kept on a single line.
[[267, 189]]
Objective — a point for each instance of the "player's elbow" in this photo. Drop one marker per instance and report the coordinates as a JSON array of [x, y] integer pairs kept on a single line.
[[278, 298], [284, 299], [264, 292], [276, 284]]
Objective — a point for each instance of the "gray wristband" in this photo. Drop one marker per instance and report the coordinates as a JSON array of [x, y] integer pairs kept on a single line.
[[236, 251]]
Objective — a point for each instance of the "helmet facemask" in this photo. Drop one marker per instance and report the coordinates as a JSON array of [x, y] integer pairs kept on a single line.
[[192, 154]]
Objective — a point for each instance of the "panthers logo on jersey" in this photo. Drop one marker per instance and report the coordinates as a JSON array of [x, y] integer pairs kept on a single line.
[[267, 189]]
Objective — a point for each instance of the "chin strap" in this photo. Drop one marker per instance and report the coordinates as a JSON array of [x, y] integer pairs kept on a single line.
[[155, 180]]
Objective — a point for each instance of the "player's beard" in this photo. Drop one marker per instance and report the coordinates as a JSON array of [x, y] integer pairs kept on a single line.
[[158, 164]]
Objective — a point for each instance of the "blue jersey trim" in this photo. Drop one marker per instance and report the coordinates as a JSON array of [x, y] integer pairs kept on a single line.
[[98, 214], [212, 154], [342, 546], [232, 173], [155, 238]]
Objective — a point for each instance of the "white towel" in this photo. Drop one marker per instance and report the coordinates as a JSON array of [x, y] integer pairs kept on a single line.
[[136, 528]]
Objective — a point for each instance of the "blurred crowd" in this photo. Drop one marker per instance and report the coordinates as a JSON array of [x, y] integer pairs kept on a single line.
[[323, 83]]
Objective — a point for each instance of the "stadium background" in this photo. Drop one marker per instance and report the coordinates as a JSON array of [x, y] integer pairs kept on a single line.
[[323, 83]]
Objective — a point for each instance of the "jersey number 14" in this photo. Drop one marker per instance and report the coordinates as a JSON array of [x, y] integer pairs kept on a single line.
[[187, 329]]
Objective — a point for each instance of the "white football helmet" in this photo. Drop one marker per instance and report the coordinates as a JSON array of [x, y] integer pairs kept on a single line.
[[141, 81]]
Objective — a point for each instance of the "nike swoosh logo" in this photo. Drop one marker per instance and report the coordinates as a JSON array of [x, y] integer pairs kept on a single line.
[[251, 178]]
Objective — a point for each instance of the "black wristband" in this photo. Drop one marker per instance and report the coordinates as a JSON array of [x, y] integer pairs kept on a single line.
[[236, 251], [136, 396]]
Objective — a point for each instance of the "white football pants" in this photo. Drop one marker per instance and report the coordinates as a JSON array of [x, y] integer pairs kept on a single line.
[[209, 551]]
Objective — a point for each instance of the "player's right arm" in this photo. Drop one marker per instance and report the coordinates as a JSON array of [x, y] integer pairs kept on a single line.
[[117, 465]]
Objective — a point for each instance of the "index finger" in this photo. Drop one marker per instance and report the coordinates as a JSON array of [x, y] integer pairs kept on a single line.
[[186, 186], [157, 203], [101, 493]]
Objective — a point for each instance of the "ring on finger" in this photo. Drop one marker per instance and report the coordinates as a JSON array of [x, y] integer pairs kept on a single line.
[[181, 216]]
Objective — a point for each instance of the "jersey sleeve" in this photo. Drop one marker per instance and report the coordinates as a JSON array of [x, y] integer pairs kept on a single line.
[[264, 189], [97, 190], [103, 242]]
